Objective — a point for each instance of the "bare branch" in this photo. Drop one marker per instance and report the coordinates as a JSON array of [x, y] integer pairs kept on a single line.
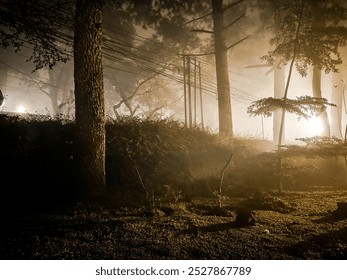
[[202, 30], [210, 13], [36, 81], [128, 98], [238, 42], [258, 66], [155, 110], [236, 20], [198, 18], [161, 107], [232, 5], [197, 54]]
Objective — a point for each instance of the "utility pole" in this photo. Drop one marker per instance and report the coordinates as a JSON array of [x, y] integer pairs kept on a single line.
[[201, 106], [185, 91], [189, 93], [221, 57], [195, 91]]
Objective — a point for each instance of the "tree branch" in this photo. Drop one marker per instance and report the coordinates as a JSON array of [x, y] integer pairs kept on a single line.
[[202, 30], [232, 5], [236, 20], [197, 54], [223, 172], [198, 18], [238, 42]]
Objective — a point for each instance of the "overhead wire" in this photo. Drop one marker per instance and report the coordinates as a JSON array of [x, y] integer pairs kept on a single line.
[[121, 51]]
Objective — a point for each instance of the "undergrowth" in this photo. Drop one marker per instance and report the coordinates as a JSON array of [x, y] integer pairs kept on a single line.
[[151, 161]]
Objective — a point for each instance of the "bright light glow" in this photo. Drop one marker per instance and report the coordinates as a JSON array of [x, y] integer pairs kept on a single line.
[[20, 109], [315, 127]]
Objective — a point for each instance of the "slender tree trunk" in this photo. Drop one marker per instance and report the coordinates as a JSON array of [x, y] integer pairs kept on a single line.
[[221, 56], [89, 95], [53, 90], [316, 92], [337, 99], [283, 117], [285, 96], [279, 84]]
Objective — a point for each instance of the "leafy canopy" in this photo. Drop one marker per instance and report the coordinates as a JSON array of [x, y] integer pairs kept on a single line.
[[303, 106], [44, 25], [318, 40]]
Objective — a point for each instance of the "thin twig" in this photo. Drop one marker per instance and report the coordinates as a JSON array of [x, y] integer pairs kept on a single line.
[[223, 172], [141, 181]]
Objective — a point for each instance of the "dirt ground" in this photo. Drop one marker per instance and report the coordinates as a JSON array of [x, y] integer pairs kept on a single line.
[[295, 225]]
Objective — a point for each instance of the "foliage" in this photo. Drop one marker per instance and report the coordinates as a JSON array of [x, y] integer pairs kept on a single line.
[[317, 147], [164, 153], [40, 24], [303, 106], [316, 40], [175, 163], [167, 18], [38, 161]]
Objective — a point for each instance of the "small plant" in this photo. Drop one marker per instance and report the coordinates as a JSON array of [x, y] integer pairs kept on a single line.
[[219, 194]]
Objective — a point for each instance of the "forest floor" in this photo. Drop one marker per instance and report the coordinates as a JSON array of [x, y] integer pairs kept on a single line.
[[301, 227]]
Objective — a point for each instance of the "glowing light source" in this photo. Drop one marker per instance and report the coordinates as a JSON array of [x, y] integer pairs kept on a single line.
[[315, 127], [20, 109]]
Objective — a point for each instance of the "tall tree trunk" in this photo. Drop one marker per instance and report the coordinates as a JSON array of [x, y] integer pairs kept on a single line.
[[89, 95], [279, 84], [3, 86], [221, 56], [337, 99], [285, 96], [54, 90], [316, 92]]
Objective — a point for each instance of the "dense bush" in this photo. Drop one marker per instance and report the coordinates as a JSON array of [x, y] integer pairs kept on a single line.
[[161, 154], [160, 159], [37, 161]]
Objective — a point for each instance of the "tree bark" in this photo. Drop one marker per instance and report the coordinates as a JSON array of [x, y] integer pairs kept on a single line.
[[221, 56], [89, 95], [316, 92], [279, 85], [337, 99], [3, 84]]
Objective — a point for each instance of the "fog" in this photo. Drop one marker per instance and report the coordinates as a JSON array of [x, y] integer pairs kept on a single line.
[[161, 97]]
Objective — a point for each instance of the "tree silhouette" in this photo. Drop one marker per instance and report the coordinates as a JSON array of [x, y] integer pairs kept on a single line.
[[309, 34]]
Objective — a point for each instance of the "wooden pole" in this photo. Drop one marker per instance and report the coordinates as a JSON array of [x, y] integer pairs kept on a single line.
[[194, 91], [185, 90], [189, 93], [201, 106]]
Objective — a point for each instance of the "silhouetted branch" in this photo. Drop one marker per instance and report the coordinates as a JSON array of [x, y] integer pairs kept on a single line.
[[236, 20], [238, 42], [198, 18], [202, 30], [232, 5]]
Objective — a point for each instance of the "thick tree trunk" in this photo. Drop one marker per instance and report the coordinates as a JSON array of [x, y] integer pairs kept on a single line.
[[3, 84], [316, 92], [89, 95], [221, 56]]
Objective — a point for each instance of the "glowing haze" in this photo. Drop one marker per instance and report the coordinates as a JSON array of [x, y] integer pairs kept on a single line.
[[247, 85]]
